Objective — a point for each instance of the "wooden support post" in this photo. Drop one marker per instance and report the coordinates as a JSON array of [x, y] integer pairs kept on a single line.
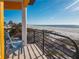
[[24, 30], [1, 30]]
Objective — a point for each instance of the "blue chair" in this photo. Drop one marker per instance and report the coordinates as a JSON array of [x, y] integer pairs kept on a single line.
[[13, 45]]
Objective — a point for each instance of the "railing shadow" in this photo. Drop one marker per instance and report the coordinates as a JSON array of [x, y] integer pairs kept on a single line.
[[53, 44]]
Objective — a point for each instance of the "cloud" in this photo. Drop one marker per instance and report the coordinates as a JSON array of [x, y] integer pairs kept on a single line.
[[74, 3], [75, 9]]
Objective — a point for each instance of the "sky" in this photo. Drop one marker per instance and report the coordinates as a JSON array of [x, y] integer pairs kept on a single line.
[[13, 15], [48, 12], [54, 12]]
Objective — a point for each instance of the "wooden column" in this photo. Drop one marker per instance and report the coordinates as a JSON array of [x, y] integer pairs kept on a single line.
[[24, 30], [1, 30]]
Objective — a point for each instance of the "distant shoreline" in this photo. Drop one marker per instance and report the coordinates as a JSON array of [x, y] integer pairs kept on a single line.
[[62, 26]]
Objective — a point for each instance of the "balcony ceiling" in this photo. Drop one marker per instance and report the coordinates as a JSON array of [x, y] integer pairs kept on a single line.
[[14, 0], [15, 4]]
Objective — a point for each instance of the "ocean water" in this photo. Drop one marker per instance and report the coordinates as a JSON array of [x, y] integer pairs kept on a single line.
[[61, 26], [54, 26]]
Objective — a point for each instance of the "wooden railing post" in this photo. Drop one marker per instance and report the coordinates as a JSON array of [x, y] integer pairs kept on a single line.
[[43, 41], [34, 35]]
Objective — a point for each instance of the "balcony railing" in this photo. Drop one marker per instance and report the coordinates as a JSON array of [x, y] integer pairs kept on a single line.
[[15, 49], [53, 44], [44, 44]]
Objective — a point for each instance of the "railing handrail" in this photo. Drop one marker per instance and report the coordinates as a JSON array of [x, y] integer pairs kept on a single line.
[[75, 45]]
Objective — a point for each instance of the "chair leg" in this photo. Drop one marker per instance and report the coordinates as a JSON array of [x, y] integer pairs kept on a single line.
[[21, 50]]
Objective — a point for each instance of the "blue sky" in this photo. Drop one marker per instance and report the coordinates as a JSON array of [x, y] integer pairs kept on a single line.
[[54, 12], [49, 12], [14, 15]]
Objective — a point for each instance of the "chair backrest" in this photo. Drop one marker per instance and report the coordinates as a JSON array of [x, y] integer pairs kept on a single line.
[[7, 35]]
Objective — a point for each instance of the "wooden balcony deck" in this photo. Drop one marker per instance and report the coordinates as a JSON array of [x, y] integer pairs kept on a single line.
[[31, 52]]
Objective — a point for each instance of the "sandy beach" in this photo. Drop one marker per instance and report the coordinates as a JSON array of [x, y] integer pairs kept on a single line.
[[70, 32]]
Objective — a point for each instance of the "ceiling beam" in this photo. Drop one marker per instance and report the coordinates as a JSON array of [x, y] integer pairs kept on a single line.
[[15, 5], [12, 5]]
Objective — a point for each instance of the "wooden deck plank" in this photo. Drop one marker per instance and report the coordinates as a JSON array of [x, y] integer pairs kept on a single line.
[[35, 51], [27, 53], [31, 52], [40, 52]]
